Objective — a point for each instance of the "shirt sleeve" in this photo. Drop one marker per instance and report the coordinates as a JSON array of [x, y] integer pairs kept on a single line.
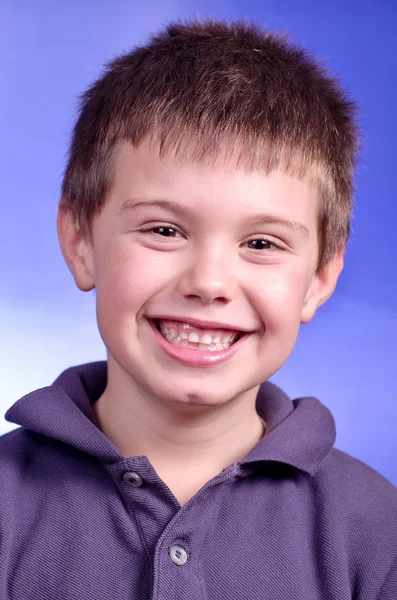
[[389, 587]]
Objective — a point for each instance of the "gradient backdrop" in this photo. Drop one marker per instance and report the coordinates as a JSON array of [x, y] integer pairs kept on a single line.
[[49, 51]]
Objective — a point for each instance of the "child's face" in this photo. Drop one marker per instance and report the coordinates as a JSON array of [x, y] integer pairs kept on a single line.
[[208, 267]]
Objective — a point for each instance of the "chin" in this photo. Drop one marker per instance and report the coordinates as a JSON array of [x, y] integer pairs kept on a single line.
[[195, 400]]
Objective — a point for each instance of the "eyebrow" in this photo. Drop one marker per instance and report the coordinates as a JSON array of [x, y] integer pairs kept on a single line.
[[133, 204]]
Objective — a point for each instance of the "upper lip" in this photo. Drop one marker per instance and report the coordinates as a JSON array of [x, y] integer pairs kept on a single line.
[[202, 324]]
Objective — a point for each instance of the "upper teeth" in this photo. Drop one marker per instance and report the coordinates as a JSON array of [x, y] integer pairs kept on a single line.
[[193, 335]]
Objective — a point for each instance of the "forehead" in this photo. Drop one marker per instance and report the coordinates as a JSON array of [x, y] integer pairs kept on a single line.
[[211, 184]]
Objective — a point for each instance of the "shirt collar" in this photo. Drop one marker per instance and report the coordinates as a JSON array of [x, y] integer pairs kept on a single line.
[[300, 433]]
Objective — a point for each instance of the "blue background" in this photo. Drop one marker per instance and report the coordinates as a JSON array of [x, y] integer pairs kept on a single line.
[[49, 52]]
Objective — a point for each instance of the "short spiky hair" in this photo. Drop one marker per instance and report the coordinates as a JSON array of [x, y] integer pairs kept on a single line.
[[203, 86]]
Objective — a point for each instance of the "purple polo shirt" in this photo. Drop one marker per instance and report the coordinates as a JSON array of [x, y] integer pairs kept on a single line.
[[295, 520]]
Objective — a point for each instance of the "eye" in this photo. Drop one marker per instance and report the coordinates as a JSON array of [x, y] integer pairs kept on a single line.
[[262, 244], [163, 231]]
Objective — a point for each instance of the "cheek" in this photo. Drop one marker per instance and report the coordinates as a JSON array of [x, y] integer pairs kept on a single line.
[[279, 299], [116, 285], [126, 280]]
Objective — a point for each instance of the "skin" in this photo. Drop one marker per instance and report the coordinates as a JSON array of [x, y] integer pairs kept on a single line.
[[191, 421]]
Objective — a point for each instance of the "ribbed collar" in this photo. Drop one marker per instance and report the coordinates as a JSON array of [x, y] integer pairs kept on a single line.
[[299, 433]]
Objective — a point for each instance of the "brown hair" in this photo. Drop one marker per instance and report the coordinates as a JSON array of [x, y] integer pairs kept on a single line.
[[203, 86]]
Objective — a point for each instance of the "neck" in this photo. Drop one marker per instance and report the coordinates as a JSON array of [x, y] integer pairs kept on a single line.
[[184, 443]]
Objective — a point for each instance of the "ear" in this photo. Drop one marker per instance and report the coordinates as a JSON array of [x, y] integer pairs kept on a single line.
[[76, 250], [323, 285]]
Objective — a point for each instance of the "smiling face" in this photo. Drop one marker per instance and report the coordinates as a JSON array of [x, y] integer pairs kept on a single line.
[[179, 240]]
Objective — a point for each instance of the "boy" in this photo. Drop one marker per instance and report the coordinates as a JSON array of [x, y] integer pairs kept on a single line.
[[207, 200]]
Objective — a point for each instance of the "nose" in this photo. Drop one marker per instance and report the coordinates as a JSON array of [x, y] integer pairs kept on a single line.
[[208, 276]]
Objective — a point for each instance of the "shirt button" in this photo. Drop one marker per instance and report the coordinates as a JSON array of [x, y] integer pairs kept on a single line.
[[178, 555], [133, 479]]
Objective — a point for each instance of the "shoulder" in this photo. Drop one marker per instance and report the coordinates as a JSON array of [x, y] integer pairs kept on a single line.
[[18, 450], [357, 492], [363, 505], [355, 513], [12, 443], [23, 456], [354, 483]]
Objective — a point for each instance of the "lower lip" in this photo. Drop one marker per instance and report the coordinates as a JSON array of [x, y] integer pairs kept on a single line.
[[196, 358]]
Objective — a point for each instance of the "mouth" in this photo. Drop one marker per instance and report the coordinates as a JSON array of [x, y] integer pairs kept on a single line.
[[184, 335]]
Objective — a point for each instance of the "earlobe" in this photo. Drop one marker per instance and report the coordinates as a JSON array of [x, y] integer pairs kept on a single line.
[[76, 250], [322, 286]]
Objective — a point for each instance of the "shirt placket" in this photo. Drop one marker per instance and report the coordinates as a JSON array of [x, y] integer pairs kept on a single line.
[[172, 536], [178, 560]]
